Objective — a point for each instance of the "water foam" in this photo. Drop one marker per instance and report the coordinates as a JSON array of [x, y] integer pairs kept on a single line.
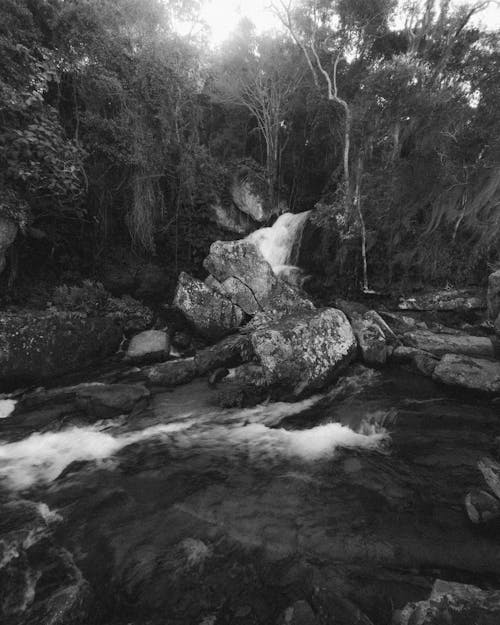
[[251, 433], [42, 456]]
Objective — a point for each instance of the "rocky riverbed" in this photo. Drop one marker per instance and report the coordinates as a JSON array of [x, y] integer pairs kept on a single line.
[[256, 457]]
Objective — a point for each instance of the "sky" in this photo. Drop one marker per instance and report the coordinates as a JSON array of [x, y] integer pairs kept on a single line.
[[222, 16]]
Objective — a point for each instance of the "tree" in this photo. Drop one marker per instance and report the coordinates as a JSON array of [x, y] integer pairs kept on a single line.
[[261, 74]]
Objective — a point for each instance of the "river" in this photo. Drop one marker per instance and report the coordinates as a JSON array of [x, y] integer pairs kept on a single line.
[[188, 514]]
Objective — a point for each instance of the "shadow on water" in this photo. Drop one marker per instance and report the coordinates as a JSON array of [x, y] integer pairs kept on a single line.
[[352, 500]]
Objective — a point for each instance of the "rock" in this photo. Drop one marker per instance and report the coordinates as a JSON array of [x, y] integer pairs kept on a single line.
[[440, 344], [245, 386], [241, 295], [241, 260], [401, 323], [447, 300], [230, 352], [491, 473], [371, 340], [148, 346], [38, 345], [371, 331], [249, 200], [425, 363], [230, 219], [218, 375], [211, 314], [496, 325], [454, 604], [8, 232], [104, 401], [172, 373], [300, 613], [237, 292], [481, 507], [43, 409], [305, 352], [493, 295], [472, 373]]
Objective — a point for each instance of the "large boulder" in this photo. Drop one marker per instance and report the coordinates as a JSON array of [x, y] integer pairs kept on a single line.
[[304, 352], [476, 374], [440, 344], [249, 200], [148, 346], [212, 314], [242, 262], [454, 604], [8, 232], [38, 345], [230, 219], [493, 296]]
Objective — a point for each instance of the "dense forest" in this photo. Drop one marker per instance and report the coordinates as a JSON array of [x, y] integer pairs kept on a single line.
[[118, 135]]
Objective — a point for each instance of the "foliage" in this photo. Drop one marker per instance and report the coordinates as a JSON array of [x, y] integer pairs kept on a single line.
[[92, 299], [114, 130]]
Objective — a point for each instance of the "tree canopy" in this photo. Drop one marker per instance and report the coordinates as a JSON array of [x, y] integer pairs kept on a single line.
[[116, 130]]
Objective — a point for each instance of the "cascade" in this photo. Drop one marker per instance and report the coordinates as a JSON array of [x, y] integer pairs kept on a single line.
[[280, 243]]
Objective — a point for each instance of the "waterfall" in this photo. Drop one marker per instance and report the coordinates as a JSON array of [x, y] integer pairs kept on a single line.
[[280, 244]]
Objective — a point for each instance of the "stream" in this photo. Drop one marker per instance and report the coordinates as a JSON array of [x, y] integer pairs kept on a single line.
[[351, 500]]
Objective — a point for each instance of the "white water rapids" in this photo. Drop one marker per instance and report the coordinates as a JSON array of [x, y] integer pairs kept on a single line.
[[41, 457]]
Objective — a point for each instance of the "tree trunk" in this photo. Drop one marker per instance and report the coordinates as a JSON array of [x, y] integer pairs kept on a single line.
[[357, 202]]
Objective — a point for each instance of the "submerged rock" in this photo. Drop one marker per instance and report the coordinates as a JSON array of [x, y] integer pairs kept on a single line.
[[304, 352], [482, 507], [210, 313], [440, 344], [242, 261], [493, 296], [36, 346], [454, 604], [471, 373], [103, 401], [148, 346]]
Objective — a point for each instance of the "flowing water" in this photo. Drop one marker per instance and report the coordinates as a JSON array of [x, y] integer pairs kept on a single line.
[[280, 243], [190, 514]]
